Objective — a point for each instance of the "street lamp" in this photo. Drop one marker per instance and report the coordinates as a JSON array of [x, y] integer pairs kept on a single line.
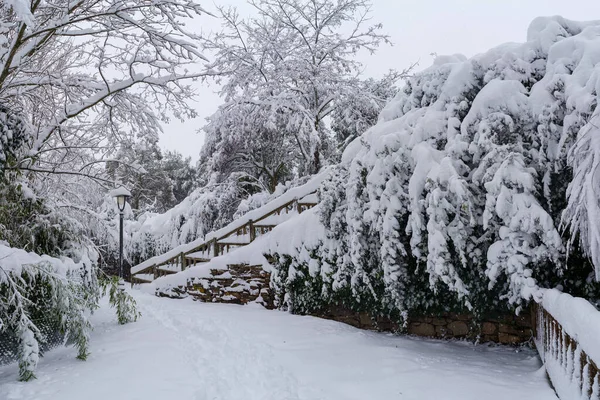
[[121, 194]]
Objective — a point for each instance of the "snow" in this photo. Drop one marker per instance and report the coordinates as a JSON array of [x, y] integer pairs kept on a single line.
[[145, 277], [13, 260], [276, 219], [295, 193], [120, 191], [187, 350], [236, 239], [312, 198]]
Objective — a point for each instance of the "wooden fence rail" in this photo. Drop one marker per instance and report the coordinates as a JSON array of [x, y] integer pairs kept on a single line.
[[572, 372], [215, 248]]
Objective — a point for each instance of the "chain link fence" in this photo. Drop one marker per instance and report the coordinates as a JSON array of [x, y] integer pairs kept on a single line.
[[9, 342]]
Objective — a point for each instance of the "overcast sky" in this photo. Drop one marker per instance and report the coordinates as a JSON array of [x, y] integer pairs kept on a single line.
[[417, 28]]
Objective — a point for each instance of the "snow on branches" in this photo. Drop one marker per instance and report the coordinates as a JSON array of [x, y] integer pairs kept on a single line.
[[465, 181], [89, 75], [286, 73]]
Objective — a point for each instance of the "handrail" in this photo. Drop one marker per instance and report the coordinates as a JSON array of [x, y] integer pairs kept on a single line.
[[213, 241], [571, 369]]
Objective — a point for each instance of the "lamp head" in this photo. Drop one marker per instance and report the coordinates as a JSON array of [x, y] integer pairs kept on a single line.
[[121, 194]]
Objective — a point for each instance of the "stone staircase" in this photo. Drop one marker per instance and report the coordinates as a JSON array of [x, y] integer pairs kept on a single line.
[[239, 283]]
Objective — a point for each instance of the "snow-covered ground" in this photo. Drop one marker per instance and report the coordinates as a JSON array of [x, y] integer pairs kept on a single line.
[[181, 349]]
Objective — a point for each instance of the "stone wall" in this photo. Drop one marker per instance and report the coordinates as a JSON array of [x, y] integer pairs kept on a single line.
[[242, 284], [239, 284], [508, 329]]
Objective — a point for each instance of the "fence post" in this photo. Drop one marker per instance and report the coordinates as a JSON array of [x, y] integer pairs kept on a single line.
[[215, 250], [252, 231]]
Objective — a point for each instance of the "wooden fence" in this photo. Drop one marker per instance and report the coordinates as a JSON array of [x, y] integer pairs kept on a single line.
[[220, 245], [572, 372]]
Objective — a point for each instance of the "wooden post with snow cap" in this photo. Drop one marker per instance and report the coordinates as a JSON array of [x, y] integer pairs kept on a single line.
[[182, 260], [298, 207], [215, 249], [252, 231]]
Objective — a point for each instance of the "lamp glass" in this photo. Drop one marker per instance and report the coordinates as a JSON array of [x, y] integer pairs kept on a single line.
[[121, 203]]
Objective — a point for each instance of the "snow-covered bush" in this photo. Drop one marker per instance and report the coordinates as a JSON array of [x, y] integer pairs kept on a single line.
[[457, 198], [37, 290], [54, 295]]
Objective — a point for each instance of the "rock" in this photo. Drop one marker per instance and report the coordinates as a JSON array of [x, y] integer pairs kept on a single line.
[[239, 284], [506, 338], [513, 330], [488, 328], [384, 326], [338, 311], [458, 328], [365, 319], [441, 331], [350, 320], [463, 317], [438, 321], [488, 338], [217, 272], [523, 321], [421, 329]]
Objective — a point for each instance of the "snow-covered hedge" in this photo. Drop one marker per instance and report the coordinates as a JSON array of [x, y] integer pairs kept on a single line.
[[458, 196]]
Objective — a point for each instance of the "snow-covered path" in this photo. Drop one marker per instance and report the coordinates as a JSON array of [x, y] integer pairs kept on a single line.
[[187, 350]]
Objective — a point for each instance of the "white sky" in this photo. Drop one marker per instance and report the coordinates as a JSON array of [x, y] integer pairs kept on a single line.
[[417, 28]]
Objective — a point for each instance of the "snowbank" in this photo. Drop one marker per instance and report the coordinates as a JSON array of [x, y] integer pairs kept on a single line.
[[186, 350]]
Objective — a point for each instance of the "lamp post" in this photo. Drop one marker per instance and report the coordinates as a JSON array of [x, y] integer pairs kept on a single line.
[[121, 194]]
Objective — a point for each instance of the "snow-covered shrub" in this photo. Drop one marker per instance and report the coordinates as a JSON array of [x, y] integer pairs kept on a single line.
[[38, 290], [54, 295], [457, 197], [124, 304]]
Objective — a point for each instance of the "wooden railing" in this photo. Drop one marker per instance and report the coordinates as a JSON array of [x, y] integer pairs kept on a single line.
[[219, 246], [573, 373]]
